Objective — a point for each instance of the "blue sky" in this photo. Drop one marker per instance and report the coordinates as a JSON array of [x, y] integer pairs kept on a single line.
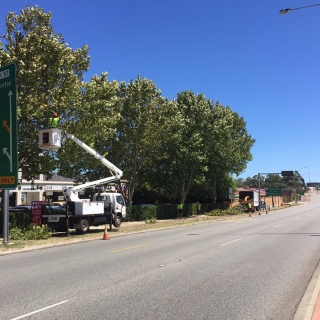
[[244, 54]]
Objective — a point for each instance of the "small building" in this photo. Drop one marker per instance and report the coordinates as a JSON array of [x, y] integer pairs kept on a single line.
[[27, 192]]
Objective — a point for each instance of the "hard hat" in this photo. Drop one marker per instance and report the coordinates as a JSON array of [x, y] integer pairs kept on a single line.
[[55, 114]]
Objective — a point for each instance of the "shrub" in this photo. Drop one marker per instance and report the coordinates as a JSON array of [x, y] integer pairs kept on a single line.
[[17, 219], [32, 232], [223, 212], [152, 220]]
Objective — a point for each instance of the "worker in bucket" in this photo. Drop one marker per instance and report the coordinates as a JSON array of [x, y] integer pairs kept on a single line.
[[54, 120]]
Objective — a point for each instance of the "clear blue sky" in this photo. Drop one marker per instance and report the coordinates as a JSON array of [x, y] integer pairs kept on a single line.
[[263, 65]]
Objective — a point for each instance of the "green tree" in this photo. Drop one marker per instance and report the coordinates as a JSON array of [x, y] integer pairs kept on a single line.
[[253, 182], [49, 75], [183, 151], [138, 132], [95, 123], [240, 182], [274, 181], [227, 147]]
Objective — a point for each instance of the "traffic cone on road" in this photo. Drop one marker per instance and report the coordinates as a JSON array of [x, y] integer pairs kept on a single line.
[[266, 210], [250, 214], [105, 234]]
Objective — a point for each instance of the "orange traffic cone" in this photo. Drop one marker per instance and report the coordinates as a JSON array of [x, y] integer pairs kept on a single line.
[[250, 214], [105, 234], [266, 211]]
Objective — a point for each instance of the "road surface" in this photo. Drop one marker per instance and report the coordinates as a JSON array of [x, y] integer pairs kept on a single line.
[[250, 268]]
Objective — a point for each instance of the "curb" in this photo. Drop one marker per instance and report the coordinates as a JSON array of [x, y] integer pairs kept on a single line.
[[308, 302]]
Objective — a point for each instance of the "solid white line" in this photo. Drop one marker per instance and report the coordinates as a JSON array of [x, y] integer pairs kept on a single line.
[[229, 242], [31, 313], [277, 226]]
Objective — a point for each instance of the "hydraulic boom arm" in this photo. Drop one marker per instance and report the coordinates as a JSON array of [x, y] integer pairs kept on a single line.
[[71, 193]]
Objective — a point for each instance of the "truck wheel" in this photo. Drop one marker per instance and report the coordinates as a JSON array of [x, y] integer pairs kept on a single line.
[[84, 226], [117, 221]]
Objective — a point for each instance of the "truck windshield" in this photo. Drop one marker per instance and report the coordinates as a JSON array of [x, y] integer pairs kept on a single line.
[[120, 200]]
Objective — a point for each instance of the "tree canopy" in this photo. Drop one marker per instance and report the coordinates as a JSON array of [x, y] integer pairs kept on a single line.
[[49, 75], [174, 147]]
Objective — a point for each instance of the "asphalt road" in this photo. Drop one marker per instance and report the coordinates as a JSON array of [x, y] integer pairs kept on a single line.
[[249, 268]]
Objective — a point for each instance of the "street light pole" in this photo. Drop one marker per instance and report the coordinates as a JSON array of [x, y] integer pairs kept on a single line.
[[285, 11]]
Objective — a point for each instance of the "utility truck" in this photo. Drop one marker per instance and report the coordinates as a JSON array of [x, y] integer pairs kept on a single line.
[[249, 196], [80, 214]]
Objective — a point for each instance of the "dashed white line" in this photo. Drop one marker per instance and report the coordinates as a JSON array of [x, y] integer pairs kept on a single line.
[[277, 226], [229, 242], [31, 313], [297, 219]]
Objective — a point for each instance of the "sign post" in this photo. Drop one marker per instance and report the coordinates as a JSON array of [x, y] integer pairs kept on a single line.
[[8, 140]]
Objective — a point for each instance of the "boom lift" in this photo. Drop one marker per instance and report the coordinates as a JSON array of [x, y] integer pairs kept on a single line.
[[82, 213]]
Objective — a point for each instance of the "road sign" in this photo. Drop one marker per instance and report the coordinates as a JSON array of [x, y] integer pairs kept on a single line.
[[8, 131], [273, 192], [287, 173]]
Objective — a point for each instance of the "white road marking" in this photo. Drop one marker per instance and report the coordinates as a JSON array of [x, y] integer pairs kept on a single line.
[[277, 226], [229, 242], [297, 219], [43, 309]]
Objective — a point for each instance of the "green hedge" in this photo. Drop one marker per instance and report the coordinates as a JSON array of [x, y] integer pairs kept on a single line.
[[141, 213], [20, 220]]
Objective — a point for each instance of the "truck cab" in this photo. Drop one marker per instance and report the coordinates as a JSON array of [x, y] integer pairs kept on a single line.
[[113, 204]]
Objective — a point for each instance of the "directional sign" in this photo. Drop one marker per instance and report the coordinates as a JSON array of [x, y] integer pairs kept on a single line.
[[273, 192], [8, 128]]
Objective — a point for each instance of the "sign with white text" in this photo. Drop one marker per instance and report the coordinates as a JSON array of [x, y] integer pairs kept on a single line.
[[8, 131]]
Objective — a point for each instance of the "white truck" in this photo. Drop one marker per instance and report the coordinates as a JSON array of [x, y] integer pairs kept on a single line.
[[103, 208], [249, 196]]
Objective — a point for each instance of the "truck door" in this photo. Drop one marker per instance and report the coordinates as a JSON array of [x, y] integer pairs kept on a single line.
[[120, 205]]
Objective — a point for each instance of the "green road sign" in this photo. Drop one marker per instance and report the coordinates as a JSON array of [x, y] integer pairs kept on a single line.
[[273, 192], [8, 131]]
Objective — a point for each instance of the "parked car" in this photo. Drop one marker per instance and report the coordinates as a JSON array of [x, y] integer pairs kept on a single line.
[[52, 208], [60, 204], [21, 208]]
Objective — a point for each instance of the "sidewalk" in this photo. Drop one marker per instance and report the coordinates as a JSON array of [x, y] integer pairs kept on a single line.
[[309, 306]]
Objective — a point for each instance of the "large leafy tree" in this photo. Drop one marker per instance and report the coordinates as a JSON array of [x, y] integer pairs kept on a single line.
[[49, 75], [227, 146], [138, 132], [181, 157], [95, 123]]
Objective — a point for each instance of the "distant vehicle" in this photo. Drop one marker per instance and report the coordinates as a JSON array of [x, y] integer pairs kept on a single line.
[[249, 196], [20, 208], [60, 204]]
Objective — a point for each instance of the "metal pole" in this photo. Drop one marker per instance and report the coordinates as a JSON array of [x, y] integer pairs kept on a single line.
[[5, 216], [259, 194]]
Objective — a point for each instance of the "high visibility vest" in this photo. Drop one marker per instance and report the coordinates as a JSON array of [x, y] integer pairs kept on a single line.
[[53, 122], [180, 206]]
